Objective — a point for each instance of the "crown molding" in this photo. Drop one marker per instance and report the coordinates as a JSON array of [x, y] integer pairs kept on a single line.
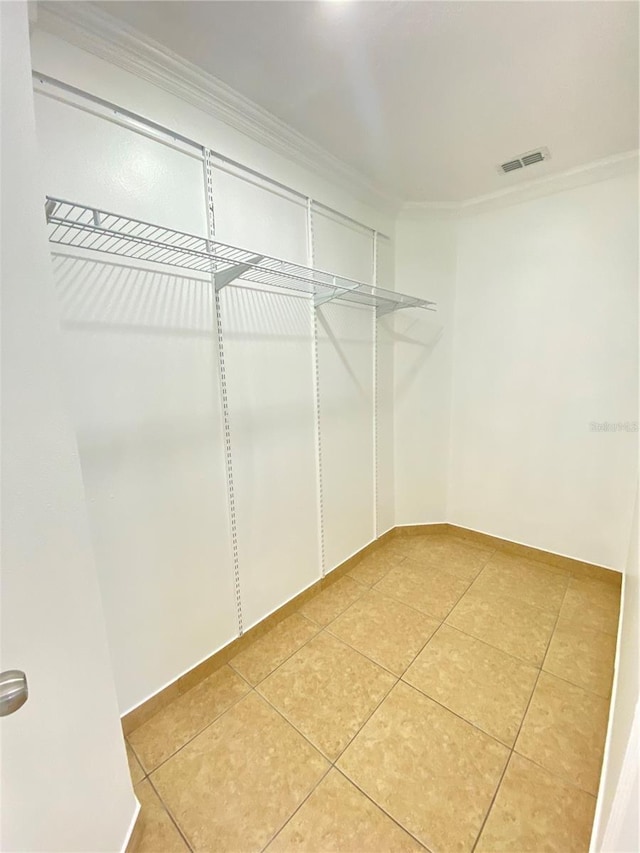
[[589, 173], [104, 36], [414, 210]]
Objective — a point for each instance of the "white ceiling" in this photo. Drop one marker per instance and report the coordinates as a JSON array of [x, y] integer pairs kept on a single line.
[[424, 98]]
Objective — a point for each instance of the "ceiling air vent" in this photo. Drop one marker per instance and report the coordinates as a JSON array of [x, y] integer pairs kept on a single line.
[[523, 160], [510, 166]]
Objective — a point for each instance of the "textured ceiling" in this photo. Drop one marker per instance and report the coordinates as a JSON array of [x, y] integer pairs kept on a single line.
[[424, 98]]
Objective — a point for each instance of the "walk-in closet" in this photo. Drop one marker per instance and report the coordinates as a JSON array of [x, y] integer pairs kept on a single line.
[[320, 426]]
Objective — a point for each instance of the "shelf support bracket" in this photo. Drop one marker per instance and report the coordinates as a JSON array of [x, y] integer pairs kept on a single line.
[[335, 294], [49, 207], [397, 306], [320, 300], [225, 277], [381, 310]]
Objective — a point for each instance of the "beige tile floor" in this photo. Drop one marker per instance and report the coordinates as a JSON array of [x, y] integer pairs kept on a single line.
[[441, 696]]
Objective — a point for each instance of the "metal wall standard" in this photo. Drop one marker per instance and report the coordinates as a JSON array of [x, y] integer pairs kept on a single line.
[[229, 441]]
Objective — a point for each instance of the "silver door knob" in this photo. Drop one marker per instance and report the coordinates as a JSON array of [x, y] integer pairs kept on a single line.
[[14, 691]]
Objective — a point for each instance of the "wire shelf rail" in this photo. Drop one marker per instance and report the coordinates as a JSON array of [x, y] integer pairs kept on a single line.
[[83, 227]]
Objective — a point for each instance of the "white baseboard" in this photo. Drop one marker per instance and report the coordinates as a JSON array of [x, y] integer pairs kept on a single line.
[[622, 832]]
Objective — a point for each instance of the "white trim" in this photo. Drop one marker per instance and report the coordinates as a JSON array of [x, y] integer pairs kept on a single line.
[[132, 825], [623, 802], [87, 106], [431, 206], [589, 173], [512, 542], [604, 780], [104, 36]]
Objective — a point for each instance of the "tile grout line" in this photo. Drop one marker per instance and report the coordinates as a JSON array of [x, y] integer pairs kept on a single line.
[[326, 589], [332, 762], [171, 817], [284, 660], [374, 588], [321, 629], [494, 737], [422, 612], [358, 651], [351, 740], [496, 648], [524, 716], [519, 601], [200, 731], [326, 627], [380, 808], [513, 597], [235, 702], [297, 808], [450, 710], [584, 627], [579, 686], [364, 654], [555, 775], [430, 568], [398, 679], [251, 687], [432, 565], [430, 616], [489, 645], [275, 708], [511, 750], [455, 714], [440, 622], [293, 726], [139, 763], [298, 611]]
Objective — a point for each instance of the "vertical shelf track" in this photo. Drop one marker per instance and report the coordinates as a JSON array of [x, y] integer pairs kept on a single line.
[[316, 389], [226, 423]]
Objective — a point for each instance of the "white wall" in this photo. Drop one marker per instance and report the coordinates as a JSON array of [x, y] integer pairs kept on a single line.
[[617, 825], [425, 267], [346, 373], [546, 323], [59, 59], [561, 264], [65, 781], [268, 357], [384, 388], [142, 380], [268, 341]]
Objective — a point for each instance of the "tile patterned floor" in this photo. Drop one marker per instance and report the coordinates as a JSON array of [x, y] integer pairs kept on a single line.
[[441, 696]]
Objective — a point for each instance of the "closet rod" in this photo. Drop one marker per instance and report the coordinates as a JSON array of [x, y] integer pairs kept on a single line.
[[185, 140]]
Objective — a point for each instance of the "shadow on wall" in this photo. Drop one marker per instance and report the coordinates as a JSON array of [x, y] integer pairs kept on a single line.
[[130, 298], [124, 298], [101, 299], [127, 298], [421, 333], [326, 317]]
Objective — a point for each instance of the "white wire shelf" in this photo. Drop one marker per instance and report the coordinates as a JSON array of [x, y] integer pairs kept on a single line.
[[83, 227]]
